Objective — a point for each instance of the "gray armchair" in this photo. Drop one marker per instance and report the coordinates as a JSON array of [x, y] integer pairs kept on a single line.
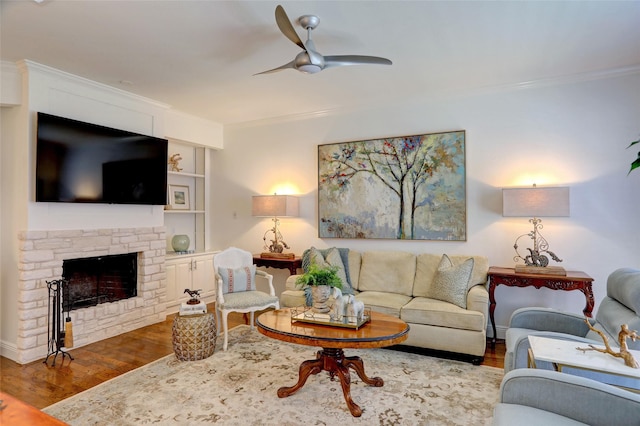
[[542, 397], [620, 306]]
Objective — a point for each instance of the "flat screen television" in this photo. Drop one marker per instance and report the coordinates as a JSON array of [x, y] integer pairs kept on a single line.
[[79, 162]]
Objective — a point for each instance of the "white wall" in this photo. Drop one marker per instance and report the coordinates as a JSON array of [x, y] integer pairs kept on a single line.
[[12, 214], [562, 133], [55, 92]]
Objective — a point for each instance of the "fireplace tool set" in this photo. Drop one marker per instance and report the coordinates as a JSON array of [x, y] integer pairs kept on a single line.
[[60, 331]]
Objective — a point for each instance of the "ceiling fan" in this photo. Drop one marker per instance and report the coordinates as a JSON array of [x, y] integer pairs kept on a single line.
[[309, 61]]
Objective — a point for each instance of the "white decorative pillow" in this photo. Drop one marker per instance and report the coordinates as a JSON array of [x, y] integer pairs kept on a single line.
[[450, 282], [332, 258], [239, 279]]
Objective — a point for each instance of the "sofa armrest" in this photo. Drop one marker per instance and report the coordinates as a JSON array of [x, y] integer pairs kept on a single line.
[[478, 300], [517, 346], [577, 398], [546, 319], [290, 284]]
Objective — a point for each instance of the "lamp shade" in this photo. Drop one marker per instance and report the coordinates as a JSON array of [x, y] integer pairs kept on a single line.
[[535, 202], [274, 205]]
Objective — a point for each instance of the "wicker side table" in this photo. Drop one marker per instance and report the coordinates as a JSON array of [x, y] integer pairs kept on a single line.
[[194, 336]]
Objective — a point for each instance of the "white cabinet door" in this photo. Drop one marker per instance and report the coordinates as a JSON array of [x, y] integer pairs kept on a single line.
[[172, 291], [184, 280], [178, 278], [194, 272]]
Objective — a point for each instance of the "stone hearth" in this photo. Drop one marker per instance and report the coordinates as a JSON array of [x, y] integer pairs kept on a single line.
[[41, 257]]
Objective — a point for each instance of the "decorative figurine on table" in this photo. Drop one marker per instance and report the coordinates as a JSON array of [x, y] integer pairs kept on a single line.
[[624, 353], [195, 296], [354, 309], [339, 305], [174, 162]]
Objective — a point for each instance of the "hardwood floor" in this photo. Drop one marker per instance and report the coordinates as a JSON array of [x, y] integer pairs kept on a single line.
[[42, 385]]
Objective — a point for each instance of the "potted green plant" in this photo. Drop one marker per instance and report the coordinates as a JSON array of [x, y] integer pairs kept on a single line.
[[636, 163], [318, 283]]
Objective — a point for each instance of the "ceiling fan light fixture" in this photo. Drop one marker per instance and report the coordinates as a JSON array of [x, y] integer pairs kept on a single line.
[[310, 61], [309, 68]]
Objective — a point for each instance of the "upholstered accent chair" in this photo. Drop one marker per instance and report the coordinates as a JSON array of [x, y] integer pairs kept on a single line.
[[236, 287], [541, 397], [620, 306]]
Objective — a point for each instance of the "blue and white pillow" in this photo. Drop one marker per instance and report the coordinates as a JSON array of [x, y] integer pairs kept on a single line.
[[238, 280]]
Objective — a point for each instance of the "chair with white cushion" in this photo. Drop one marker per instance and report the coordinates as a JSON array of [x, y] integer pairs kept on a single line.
[[236, 287]]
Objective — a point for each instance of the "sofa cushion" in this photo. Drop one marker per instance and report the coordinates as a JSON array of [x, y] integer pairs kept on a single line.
[[387, 303], [422, 310], [387, 271], [344, 256], [451, 282], [427, 265], [331, 257], [354, 268], [522, 415]]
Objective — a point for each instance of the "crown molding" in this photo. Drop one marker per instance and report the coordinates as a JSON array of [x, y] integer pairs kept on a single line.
[[441, 95], [573, 78]]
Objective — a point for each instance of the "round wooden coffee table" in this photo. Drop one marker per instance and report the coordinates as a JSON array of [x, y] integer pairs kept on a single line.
[[382, 330]]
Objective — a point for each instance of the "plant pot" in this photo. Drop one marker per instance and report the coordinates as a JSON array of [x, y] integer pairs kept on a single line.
[[320, 295]]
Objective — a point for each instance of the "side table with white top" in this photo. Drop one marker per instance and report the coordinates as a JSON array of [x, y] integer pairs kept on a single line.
[[565, 354]]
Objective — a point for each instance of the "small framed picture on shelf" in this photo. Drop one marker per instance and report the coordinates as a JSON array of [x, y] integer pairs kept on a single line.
[[179, 197]]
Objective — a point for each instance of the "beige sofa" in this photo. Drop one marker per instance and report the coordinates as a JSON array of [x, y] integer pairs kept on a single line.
[[398, 283]]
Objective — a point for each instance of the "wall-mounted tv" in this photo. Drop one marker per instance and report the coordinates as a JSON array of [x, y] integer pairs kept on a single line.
[[79, 162]]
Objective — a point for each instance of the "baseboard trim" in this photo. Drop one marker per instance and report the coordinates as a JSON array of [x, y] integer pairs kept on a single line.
[[9, 350], [501, 332]]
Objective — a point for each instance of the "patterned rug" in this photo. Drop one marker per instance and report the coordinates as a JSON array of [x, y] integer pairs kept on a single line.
[[238, 387]]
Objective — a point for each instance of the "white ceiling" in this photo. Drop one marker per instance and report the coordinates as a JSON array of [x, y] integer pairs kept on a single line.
[[200, 56]]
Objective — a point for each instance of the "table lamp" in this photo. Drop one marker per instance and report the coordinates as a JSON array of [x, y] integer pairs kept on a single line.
[[536, 202], [276, 206]]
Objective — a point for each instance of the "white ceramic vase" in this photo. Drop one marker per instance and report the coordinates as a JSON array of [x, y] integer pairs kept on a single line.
[[320, 296], [180, 243]]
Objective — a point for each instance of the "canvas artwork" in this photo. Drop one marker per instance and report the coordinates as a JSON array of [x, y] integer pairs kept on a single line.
[[408, 188]]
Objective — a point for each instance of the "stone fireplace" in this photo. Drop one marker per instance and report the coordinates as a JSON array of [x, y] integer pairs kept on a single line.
[[42, 254]]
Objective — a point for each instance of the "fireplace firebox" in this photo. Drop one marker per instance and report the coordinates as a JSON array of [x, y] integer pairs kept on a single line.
[[102, 279]]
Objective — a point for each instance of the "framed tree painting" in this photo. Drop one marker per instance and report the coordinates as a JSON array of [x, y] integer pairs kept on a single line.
[[407, 188]]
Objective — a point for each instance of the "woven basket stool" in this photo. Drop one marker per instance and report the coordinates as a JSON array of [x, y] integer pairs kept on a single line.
[[194, 336]]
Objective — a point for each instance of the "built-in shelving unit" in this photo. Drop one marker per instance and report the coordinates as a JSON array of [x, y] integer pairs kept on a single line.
[[193, 270], [194, 178]]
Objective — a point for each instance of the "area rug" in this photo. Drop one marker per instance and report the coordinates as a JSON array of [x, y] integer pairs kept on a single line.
[[238, 387]]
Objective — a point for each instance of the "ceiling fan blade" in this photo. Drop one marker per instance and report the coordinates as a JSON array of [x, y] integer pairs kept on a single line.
[[287, 28], [342, 60], [291, 64]]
